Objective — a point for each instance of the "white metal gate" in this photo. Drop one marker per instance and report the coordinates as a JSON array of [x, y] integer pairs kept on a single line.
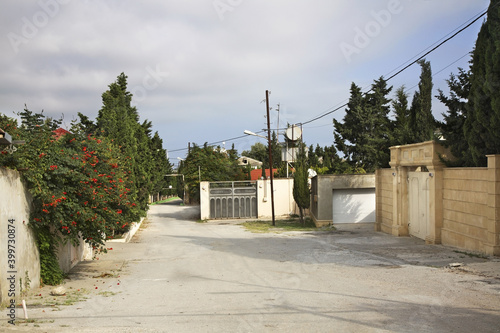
[[233, 200], [418, 204]]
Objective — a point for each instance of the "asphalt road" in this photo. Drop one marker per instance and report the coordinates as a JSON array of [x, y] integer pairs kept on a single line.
[[177, 275]]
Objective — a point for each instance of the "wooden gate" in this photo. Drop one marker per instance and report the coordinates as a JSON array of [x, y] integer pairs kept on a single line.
[[233, 200], [418, 204]]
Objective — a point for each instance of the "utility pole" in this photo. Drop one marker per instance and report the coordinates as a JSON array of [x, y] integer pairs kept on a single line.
[[270, 155], [278, 129]]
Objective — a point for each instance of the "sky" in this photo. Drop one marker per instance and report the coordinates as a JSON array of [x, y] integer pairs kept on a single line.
[[199, 69]]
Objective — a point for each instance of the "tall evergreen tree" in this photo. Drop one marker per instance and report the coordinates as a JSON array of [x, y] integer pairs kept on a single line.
[[364, 136], [422, 120], [275, 150], [452, 127], [482, 121], [301, 192], [402, 124]]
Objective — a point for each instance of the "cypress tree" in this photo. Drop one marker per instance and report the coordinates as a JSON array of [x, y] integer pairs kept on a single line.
[[301, 193], [402, 123], [422, 122], [482, 121]]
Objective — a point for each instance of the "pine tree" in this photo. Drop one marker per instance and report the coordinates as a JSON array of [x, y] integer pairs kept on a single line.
[[482, 121], [423, 123], [364, 137], [452, 127]]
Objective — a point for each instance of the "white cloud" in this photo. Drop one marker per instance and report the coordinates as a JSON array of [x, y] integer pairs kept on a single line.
[[218, 70]]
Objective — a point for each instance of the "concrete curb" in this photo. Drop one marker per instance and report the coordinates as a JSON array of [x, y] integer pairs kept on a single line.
[[129, 234]]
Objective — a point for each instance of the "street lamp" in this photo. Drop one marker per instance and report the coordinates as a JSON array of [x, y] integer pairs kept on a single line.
[[247, 132], [6, 140]]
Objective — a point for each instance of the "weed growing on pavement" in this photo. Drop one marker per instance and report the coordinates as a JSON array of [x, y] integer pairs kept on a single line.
[[106, 293], [287, 225], [472, 255]]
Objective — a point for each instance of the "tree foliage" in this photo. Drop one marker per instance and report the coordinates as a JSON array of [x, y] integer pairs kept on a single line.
[[452, 127], [301, 192], [364, 136], [422, 122], [89, 183], [209, 163], [482, 119]]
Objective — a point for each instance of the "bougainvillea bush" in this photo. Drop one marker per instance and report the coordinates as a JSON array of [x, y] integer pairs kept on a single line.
[[79, 184]]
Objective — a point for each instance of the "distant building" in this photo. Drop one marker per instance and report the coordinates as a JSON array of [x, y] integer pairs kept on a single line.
[[254, 164], [60, 132]]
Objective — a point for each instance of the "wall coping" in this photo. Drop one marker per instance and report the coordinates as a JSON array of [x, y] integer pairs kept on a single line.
[[419, 154]]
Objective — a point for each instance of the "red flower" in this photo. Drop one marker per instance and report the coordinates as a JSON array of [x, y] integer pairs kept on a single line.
[[119, 211], [45, 211]]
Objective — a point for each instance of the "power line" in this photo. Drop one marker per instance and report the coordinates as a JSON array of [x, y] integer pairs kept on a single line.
[[467, 25], [407, 66]]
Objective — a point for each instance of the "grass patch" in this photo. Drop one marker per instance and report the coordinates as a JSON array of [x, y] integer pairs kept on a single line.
[[107, 293], [292, 224], [164, 201], [202, 221], [71, 297]]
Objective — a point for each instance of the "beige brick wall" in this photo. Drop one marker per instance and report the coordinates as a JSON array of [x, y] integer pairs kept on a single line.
[[464, 203], [384, 200], [466, 209]]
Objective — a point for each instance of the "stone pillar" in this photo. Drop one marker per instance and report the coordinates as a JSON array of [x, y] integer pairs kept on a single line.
[[399, 194], [493, 228], [435, 204]]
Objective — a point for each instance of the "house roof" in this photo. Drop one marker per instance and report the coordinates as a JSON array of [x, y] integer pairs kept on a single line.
[[257, 173], [60, 132]]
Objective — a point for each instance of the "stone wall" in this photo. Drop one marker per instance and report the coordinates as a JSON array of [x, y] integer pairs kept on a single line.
[[384, 200], [463, 207], [469, 208]]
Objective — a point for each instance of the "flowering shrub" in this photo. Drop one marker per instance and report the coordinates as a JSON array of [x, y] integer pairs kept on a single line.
[[79, 184]]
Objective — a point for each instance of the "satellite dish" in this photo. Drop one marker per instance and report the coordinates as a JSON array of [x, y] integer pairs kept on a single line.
[[293, 133]]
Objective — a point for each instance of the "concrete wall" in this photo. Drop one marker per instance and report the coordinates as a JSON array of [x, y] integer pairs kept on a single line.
[[284, 204], [463, 206], [15, 204], [322, 187], [70, 255]]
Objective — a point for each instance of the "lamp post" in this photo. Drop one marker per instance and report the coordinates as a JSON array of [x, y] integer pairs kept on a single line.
[[247, 132]]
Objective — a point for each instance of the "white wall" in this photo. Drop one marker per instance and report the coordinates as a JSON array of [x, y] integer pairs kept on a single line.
[[283, 198], [14, 204]]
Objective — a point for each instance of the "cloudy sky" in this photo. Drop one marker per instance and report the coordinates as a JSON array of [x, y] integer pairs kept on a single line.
[[199, 69]]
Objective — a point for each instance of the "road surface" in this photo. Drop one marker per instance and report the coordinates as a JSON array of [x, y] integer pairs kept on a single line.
[[177, 275]]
